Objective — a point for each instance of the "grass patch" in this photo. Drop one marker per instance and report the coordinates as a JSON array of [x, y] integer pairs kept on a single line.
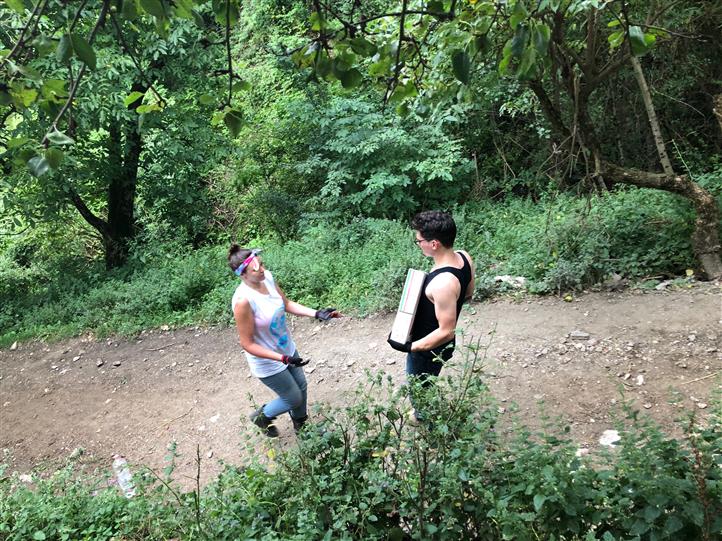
[[558, 244]]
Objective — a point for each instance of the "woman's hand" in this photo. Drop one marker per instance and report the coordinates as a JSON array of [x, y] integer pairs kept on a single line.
[[293, 360], [327, 313]]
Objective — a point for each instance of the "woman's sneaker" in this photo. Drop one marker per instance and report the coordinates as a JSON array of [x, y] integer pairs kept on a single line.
[[259, 419]]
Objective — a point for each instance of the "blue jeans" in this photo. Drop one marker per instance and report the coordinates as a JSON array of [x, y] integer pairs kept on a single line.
[[290, 386], [423, 364], [419, 366]]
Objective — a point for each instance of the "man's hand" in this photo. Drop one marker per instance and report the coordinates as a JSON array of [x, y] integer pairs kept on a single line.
[[326, 313], [293, 360], [399, 346]]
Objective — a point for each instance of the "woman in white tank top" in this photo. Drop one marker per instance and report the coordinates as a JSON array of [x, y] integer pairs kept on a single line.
[[259, 308]]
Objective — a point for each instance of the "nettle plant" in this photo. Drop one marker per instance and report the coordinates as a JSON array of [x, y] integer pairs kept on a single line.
[[364, 472], [466, 473]]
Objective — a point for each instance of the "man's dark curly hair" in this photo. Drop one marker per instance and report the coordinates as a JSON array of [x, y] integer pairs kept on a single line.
[[435, 225]]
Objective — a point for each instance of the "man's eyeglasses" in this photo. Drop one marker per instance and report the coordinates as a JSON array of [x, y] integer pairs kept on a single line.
[[419, 241]]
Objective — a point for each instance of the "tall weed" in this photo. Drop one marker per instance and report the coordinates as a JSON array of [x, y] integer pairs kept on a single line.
[[362, 471]]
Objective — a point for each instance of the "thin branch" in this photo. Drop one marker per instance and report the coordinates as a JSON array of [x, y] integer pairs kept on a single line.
[[591, 40], [228, 51], [485, 34], [98, 224], [161, 347], [348, 26], [77, 15], [71, 122], [14, 233], [574, 56], [670, 32], [397, 68], [37, 21], [610, 68], [700, 113], [700, 379], [74, 89], [37, 12], [337, 14], [197, 492], [622, 54], [551, 112], [653, 17], [55, 30], [126, 48], [167, 423], [169, 487], [417, 45], [439, 14]]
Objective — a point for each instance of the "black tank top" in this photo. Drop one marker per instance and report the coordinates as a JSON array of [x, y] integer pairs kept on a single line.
[[425, 320]]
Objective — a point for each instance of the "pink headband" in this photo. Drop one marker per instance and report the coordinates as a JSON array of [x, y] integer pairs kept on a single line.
[[247, 261]]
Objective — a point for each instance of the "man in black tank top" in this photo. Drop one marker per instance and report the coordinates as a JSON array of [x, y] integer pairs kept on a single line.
[[449, 283]]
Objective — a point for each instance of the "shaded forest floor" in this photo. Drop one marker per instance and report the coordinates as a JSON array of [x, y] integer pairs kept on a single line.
[[192, 385]]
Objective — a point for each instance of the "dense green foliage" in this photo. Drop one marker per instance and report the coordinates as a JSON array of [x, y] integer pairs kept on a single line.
[[561, 244], [363, 472], [139, 138], [461, 120], [309, 142]]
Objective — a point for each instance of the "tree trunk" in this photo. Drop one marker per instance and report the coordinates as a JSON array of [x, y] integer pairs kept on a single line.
[[705, 239], [121, 196], [652, 116], [124, 150], [718, 109]]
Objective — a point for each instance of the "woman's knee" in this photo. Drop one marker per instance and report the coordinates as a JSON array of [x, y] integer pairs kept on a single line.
[[294, 398]]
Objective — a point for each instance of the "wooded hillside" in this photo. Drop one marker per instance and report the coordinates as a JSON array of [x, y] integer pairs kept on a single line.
[[137, 131]]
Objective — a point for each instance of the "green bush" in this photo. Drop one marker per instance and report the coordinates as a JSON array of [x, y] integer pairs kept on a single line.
[[557, 244], [363, 472], [567, 243], [369, 163], [361, 266], [172, 288]]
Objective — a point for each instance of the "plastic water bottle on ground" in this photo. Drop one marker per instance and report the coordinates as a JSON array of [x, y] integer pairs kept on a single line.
[[123, 475]]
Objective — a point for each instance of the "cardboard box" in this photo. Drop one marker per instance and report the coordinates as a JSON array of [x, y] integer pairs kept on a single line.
[[401, 330]]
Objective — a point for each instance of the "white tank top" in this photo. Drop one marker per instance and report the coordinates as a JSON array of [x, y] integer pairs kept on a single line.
[[270, 330]]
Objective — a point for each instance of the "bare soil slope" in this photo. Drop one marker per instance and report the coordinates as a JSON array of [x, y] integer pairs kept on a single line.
[[192, 386]]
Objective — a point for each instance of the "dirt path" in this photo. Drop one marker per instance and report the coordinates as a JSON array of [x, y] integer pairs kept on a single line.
[[192, 386]]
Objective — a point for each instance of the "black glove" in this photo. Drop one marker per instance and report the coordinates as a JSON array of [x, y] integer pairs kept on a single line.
[[325, 314], [293, 360], [398, 346]]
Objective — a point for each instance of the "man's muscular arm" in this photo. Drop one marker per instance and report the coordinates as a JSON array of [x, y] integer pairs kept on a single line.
[[469, 293], [443, 291]]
